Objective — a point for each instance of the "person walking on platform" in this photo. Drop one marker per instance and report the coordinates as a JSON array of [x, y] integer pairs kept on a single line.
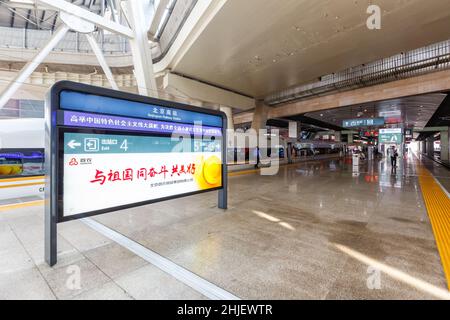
[[394, 155]]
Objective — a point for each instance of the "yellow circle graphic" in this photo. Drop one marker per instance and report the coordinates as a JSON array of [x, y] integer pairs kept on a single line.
[[212, 170], [208, 172]]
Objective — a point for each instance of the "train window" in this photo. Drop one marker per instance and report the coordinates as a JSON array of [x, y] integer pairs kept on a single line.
[[21, 162]]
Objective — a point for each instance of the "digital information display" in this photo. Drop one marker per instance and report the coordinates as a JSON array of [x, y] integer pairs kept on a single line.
[[108, 150]]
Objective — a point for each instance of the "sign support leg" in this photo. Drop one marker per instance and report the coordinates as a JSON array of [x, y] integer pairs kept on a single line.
[[223, 193], [223, 201], [51, 245], [51, 204]]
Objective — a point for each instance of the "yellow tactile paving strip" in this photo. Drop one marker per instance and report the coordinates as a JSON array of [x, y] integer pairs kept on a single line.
[[438, 208]]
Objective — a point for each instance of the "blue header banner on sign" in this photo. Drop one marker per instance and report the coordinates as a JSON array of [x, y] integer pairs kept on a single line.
[[351, 123], [77, 101], [102, 121]]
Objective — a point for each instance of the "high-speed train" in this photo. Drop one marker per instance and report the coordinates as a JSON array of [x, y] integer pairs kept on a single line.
[[21, 158], [300, 148]]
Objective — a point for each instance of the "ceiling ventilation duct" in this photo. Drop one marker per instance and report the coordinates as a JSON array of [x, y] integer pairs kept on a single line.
[[401, 66]]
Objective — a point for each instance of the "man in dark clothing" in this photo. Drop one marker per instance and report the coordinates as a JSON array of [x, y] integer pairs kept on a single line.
[[394, 156]]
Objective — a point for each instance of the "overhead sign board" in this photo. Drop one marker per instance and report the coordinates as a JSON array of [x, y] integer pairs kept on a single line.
[[408, 133], [109, 150], [363, 122], [390, 136]]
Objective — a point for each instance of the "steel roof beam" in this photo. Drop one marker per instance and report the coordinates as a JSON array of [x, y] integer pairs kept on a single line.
[[29, 68], [89, 16], [102, 61]]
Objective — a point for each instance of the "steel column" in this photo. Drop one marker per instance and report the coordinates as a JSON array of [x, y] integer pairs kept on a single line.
[[140, 48], [101, 59]]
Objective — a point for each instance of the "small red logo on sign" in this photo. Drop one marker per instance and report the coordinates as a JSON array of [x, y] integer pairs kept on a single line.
[[73, 162]]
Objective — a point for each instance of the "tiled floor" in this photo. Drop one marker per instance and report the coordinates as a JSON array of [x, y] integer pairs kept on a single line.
[[306, 233], [20, 200]]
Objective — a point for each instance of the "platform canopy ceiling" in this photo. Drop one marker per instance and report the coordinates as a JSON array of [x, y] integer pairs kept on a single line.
[[413, 112], [258, 47]]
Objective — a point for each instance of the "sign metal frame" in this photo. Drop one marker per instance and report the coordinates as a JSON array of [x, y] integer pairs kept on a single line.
[[54, 155]]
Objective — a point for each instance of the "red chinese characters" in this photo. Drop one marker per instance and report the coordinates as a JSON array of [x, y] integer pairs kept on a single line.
[[175, 170], [114, 176], [191, 168], [143, 173], [128, 174], [99, 177], [164, 171], [152, 172]]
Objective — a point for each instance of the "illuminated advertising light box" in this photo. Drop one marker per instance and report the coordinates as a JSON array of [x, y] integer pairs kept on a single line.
[[113, 170], [109, 150]]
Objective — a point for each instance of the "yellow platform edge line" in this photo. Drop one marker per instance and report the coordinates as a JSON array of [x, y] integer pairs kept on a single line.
[[22, 179], [436, 202], [21, 205], [21, 185]]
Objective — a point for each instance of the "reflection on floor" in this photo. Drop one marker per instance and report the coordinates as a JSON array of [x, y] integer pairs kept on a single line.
[[317, 230]]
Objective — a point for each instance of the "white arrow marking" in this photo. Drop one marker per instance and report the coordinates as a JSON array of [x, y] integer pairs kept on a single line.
[[72, 144]]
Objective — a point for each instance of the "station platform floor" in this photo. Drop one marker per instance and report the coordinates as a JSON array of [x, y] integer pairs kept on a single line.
[[317, 230]]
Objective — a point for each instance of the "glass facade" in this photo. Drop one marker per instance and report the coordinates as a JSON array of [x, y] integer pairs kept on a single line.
[[22, 108]]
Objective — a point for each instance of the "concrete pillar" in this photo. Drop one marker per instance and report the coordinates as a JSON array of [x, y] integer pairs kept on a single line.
[[229, 112], [293, 131], [350, 138], [444, 146], [337, 136], [430, 147], [260, 116]]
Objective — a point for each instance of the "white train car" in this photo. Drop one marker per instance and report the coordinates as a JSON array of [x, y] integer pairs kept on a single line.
[[21, 158]]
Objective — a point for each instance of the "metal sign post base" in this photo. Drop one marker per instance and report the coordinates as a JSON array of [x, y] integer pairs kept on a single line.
[[51, 243], [223, 199]]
